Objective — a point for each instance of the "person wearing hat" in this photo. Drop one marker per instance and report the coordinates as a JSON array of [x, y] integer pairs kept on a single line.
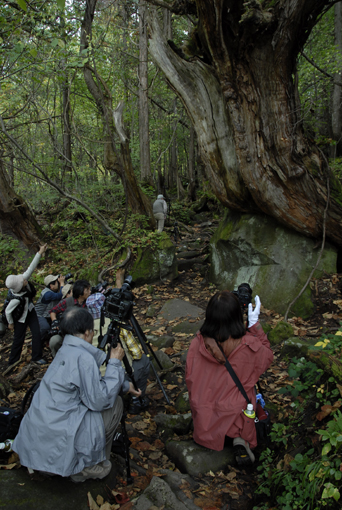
[[21, 288], [160, 212], [50, 296]]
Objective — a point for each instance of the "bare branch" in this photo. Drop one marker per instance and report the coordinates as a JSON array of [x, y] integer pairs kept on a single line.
[[338, 83], [46, 179]]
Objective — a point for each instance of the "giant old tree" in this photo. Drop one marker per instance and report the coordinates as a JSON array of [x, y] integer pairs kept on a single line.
[[237, 80]]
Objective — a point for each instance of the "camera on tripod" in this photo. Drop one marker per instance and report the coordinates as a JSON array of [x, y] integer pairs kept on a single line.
[[100, 287], [119, 302], [244, 295]]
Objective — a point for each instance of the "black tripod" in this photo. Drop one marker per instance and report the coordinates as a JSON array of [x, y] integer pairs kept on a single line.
[[175, 232], [112, 338]]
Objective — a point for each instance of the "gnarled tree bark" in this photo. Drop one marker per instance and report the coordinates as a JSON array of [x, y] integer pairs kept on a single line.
[[238, 84]]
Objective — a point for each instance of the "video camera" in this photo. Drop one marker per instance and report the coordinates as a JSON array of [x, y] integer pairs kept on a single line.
[[244, 295], [119, 302]]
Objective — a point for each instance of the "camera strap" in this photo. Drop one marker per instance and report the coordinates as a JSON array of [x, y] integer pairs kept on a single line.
[[233, 375]]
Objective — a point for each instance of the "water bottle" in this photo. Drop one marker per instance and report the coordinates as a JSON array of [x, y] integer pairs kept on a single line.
[[7, 445], [249, 412], [260, 399]]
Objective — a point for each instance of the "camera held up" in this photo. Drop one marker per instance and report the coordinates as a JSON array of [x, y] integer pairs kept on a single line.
[[244, 295]]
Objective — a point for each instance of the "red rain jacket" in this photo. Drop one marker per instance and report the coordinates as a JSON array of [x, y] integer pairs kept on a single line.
[[216, 403]]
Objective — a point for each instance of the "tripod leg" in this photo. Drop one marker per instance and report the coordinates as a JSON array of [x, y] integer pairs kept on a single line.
[[141, 336], [126, 442], [143, 340]]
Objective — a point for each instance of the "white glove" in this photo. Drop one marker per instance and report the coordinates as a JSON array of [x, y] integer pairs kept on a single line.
[[253, 315]]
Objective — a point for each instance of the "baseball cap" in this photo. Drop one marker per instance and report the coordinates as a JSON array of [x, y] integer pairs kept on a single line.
[[49, 279], [66, 289]]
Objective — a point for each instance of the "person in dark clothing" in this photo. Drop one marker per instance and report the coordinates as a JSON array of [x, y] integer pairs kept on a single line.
[[49, 297], [80, 293]]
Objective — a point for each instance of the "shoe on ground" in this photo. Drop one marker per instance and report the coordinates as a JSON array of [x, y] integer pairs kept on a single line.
[[242, 452], [98, 471], [41, 362], [138, 406]]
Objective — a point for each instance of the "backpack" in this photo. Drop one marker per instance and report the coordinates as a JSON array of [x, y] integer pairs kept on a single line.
[[10, 420], [19, 309], [17, 312]]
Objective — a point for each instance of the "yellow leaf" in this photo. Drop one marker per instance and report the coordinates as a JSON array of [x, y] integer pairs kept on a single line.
[[91, 503]]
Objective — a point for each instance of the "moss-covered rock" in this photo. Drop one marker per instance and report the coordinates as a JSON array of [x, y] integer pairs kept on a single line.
[[282, 331], [153, 264], [294, 347], [170, 423], [266, 327], [182, 403], [274, 260]]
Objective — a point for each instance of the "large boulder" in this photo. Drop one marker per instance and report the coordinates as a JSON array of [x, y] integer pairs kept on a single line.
[[274, 260], [195, 460], [154, 264]]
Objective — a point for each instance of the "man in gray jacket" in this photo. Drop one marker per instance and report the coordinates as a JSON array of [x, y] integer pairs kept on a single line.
[[68, 429], [160, 211]]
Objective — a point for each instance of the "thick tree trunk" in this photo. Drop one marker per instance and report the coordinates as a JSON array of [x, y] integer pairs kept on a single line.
[[239, 90], [16, 219]]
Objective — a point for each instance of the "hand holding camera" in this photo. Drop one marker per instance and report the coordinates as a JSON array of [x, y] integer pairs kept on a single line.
[[253, 315]]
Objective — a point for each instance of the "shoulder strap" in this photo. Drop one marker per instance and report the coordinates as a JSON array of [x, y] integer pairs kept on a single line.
[[233, 375]]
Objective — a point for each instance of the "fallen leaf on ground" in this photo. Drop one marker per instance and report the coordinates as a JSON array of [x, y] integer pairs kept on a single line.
[[91, 503]]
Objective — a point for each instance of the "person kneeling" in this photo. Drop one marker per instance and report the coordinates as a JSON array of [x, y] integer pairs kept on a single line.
[[217, 405], [68, 429]]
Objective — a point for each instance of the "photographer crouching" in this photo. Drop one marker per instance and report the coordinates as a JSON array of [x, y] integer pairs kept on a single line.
[[69, 427]]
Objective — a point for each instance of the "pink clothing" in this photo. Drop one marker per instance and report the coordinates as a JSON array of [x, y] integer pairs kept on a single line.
[[216, 403]]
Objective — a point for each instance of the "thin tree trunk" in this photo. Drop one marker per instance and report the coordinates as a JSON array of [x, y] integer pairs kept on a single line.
[[191, 167], [336, 116], [173, 170], [144, 134]]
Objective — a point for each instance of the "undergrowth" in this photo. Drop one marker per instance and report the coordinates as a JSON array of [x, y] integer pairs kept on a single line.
[[301, 468]]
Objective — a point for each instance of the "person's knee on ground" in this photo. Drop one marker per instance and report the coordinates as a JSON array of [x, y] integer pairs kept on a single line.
[[55, 344]]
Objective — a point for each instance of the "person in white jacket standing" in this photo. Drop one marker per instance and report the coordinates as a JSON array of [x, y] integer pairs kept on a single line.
[[20, 288]]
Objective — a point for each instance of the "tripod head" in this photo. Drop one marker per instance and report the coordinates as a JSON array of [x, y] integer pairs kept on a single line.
[[118, 305]]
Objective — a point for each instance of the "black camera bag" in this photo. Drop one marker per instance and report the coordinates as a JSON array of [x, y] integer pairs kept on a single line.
[[10, 420]]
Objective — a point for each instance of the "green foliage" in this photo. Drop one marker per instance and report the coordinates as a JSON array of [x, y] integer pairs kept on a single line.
[[305, 374], [311, 479], [11, 255]]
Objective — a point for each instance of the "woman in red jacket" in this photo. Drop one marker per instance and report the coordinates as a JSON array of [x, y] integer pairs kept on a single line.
[[216, 403]]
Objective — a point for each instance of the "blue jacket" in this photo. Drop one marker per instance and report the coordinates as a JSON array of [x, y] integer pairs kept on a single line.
[[63, 430]]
